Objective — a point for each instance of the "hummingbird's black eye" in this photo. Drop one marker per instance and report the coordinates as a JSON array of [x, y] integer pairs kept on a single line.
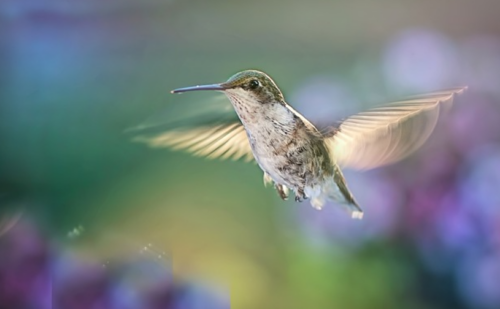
[[254, 84]]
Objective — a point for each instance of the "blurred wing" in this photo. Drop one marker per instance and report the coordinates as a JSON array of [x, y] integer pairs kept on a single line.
[[388, 133], [225, 141], [210, 129]]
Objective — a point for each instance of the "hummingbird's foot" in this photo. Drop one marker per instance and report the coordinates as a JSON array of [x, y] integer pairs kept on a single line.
[[282, 191], [300, 195]]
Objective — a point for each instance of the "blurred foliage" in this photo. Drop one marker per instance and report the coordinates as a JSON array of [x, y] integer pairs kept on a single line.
[[81, 202]]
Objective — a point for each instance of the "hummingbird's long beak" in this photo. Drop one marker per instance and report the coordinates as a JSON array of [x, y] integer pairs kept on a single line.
[[219, 87]]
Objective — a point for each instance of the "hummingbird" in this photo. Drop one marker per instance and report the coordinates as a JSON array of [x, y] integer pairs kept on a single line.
[[293, 153]]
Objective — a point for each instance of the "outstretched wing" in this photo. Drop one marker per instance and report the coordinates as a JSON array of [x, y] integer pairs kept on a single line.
[[210, 130], [225, 141], [388, 133]]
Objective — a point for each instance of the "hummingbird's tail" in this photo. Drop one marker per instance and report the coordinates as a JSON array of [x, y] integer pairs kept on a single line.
[[356, 211], [353, 208], [335, 188], [347, 197]]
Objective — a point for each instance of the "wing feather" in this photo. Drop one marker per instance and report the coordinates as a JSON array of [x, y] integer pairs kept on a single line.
[[389, 133], [225, 141], [210, 129]]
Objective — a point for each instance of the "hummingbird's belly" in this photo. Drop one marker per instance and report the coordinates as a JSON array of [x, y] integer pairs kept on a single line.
[[295, 168], [289, 155], [280, 171]]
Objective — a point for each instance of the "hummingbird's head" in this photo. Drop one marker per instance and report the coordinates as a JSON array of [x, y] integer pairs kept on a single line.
[[253, 85], [248, 86]]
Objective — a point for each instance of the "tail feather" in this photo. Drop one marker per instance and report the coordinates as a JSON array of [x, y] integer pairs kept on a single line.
[[335, 189], [356, 211], [353, 208]]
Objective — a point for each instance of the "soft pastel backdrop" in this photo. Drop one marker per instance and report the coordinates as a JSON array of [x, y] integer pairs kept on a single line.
[[89, 219]]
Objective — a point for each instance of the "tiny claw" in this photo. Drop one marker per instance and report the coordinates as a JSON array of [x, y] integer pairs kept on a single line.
[[300, 195]]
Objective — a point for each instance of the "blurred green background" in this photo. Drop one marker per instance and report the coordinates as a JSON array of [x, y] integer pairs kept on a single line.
[[75, 75]]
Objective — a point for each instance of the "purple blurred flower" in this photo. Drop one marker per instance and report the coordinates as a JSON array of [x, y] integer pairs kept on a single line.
[[30, 278], [24, 268], [80, 284], [474, 123], [478, 279]]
